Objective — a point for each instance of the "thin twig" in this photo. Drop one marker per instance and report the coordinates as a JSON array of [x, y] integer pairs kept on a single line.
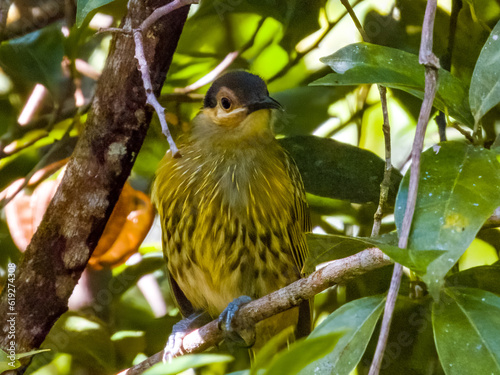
[[464, 132], [223, 65], [349, 9], [112, 30], [8, 195], [431, 63], [150, 96], [35, 99], [212, 75], [163, 11], [143, 64], [144, 68], [43, 122], [292, 62], [10, 149], [87, 70], [446, 60], [336, 272], [386, 182]]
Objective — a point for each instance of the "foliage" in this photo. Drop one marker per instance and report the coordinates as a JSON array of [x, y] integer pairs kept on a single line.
[[317, 67]]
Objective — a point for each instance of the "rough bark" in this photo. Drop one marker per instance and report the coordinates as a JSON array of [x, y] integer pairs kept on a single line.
[[100, 165]]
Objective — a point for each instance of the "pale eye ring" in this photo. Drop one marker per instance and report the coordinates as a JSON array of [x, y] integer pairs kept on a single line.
[[225, 103]]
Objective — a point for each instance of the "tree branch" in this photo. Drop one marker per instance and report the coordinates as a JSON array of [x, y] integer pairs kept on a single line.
[[336, 272], [34, 16], [431, 63], [100, 165]]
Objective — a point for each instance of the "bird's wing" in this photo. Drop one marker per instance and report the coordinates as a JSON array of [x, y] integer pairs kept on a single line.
[[180, 299], [301, 220], [301, 223], [158, 193]]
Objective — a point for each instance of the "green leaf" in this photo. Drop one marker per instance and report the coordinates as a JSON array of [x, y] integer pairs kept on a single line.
[[36, 58], [457, 192], [185, 362], [466, 327], [483, 277], [337, 170], [77, 331], [84, 7], [306, 108], [364, 63], [484, 11], [31, 353], [327, 247], [269, 350], [416, 260], [303, 353], [7, 363], [323, 248], [359, 319], [484, 92]]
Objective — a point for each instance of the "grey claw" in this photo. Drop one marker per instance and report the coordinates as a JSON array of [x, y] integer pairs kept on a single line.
[[226, 318]]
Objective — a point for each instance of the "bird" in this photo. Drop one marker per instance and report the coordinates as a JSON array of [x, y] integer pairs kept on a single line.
[[233, 212]]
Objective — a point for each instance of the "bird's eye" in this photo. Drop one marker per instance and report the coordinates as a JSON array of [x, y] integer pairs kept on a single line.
[[225, 103]]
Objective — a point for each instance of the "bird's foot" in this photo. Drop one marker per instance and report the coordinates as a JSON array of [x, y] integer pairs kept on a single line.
[[244, 336], [174, 347]]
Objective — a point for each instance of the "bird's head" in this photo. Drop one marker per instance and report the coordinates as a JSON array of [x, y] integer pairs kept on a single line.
[[239, 99]]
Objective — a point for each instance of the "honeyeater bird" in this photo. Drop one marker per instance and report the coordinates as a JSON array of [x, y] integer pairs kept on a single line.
[[233, 209]]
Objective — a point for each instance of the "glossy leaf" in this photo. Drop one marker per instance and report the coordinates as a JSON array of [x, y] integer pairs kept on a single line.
[[338, 170], [323, 248], [358, 318], [71, 335], [327, 247], [416, 260], [36, 58], [479, 253], [485, 10], [364, 63], [84, 7], [458, 191], [7, 363], [483, 277], [268, 351], [185, 362], [466, 327], [303, 353], [484, 89], [306, 108]]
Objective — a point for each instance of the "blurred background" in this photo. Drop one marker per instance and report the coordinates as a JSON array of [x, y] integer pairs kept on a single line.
[[51, 59]]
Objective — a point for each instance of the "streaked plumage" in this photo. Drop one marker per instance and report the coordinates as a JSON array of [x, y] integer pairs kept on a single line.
[[232, 208]]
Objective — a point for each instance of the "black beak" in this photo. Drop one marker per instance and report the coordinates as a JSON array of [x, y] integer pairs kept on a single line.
[[266, 103]]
